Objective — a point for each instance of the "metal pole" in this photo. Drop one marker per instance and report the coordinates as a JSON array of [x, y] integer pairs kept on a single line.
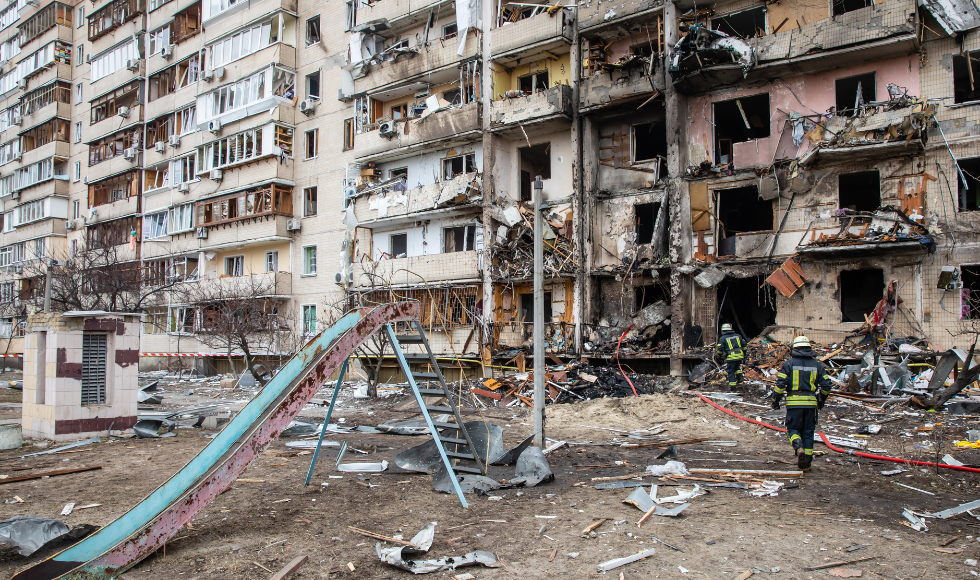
[[47, 289], [326, 420], [539, 364]]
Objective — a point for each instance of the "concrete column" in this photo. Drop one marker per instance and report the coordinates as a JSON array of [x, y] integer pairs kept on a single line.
[[578, 192], [489, 228]]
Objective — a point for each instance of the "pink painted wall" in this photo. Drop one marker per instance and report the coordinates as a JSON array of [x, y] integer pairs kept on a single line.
[[817, 93]]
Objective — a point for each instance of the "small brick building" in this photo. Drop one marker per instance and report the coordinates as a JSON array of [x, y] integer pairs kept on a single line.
[[80, 373]]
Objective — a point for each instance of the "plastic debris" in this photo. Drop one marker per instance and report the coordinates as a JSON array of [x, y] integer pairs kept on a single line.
[[28, 534]]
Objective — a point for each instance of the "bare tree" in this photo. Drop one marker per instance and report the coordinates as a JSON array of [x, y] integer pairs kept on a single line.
[[242, 314], [969, 373]]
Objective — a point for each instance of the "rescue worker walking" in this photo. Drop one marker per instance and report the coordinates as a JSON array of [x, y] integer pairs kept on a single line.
[[805, 384], [731, 345]]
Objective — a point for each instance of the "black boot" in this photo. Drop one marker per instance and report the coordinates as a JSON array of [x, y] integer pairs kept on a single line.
[[803, 460]]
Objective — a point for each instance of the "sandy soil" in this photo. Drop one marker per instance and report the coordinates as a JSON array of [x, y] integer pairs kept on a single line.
[[843, 502]]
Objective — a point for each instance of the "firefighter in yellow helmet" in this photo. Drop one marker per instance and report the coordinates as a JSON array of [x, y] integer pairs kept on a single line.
[[806, 385], [731, 345]]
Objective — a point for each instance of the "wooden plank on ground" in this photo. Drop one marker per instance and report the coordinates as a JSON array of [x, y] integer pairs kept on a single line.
[[47, 474], [291, 567]]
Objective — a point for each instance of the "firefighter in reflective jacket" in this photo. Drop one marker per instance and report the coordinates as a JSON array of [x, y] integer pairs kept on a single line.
[[731, 345], [805, 384]]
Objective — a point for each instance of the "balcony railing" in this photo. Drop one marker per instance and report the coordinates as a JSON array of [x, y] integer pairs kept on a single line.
[[268, 200]]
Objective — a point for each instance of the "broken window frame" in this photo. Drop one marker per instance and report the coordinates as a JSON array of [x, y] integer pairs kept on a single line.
[[114, 145], [313, 30], [972, 77], [835, 12], [467, 162], [718, 20], [391, 245], [840, 288], [45, 19], [449, 238], [537, 84], [348, 134], [309, 201], [234, 266], [968, 177], [312, 143], [109, 191], [270, 199], [860, 103], [744, 117], [56, 92], [114, 232]]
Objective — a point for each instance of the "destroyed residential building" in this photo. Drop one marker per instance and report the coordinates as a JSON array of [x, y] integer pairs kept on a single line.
[[776, 167]]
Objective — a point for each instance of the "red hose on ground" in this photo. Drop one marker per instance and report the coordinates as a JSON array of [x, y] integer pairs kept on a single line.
[[621, 366], [838, 449]]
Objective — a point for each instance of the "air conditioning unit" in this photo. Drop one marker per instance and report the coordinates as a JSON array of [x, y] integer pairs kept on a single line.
[[207, 76], [184, 187], [344, 97], [202, 233], [18, 120], [388, 129], [167, 52], [307, 106], [129, 154], [70, 225], [174, 140], [293, 225], [22, 84], [160, 147], [214, 126], [216, 175], [219, 73], [124, 112], [15, 195], [88, 58], [133, 64]]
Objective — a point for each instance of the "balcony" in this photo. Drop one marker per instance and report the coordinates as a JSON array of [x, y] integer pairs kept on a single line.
[[444, 128], [169, 103], [270, 283], [44, 189], [241, 14], [595, 15], [400, 13], [113, 166], [455, 266], [47, 75], [542, 112], [57, 149], [114, 210], [261, 229], [513, 42], [437, 56], [116, 79], [874, 33], [56, 32], [612, 88], [38, 229], [110, 124], [186, 49], [444, 194], [47, 112]]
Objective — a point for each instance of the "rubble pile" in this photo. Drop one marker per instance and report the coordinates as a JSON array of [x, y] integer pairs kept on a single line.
[[566, 383], [512, 248]]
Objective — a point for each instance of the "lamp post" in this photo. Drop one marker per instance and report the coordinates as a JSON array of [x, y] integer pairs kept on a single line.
[[539, 364], [47, 284]]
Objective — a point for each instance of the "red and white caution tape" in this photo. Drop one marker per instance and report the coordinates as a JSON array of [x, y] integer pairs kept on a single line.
[[194, 354], [12, 355]]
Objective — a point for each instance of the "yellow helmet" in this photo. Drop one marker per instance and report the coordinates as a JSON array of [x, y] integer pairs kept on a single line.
[[801, 342]]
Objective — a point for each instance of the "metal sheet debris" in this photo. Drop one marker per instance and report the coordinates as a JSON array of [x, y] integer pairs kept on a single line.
[[532, 468], [401, 556], [616, 563], [29, 533]]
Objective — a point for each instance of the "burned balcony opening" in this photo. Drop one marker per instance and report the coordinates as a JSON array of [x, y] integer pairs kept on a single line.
[[745, 24], [641, 302], [511, 248], [533, 83], [526, 312], [512, 330], [854, 93], [741, 210], [748, 304], [534, 161], [650, 294], [860, 291], [859, 192], [737, 121], [650, 145], [703, 48], [844, 6], [966, 77], [970, 276], [969, 194]]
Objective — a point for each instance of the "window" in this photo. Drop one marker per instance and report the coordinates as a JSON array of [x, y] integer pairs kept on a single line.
[[449, 30], [181, 218], [970, 305], [30, 212], [155, 225], [79, 54], [272, 261], [7, 292], [398, 172], [860, 291], [80, 20], [737, 121], [114, 145], [351, 15], [10, 48], [535, 161], [309, 201], [646, 221], [235, 266], [268, 83], [272, 199], [313, 85], [312, 137], [246, 41], [76, 206], [533, 83], [77, 173], [842, 6], [159, 39], [458, 239], [399, 245], [154, 4], [309, 319], [741, 210], [94, 349], [78, 94], [111, 16], [966, 81], [650, 144], [9, 150], [41, 59], [167, 81], [313, 31], [115, 188], [745, 24], [348, 134], [229, 151], [155, 321], [853, 93], [108, 105], [9, 16], [182, 320], [43, 20], [527, 308], [309, 260], [78, 131], [182, 169], [399, 111], [859, 191], [458, 165], [113, 60], [969, 194], [35, 173], [40, 135]]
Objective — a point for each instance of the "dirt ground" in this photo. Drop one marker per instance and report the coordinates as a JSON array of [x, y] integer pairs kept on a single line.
[[844, 509]]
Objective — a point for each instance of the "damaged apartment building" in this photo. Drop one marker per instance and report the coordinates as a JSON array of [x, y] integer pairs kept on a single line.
[[785, 167]]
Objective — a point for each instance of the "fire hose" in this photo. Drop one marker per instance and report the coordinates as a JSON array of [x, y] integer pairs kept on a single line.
[[635, 394], [840, 450]]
